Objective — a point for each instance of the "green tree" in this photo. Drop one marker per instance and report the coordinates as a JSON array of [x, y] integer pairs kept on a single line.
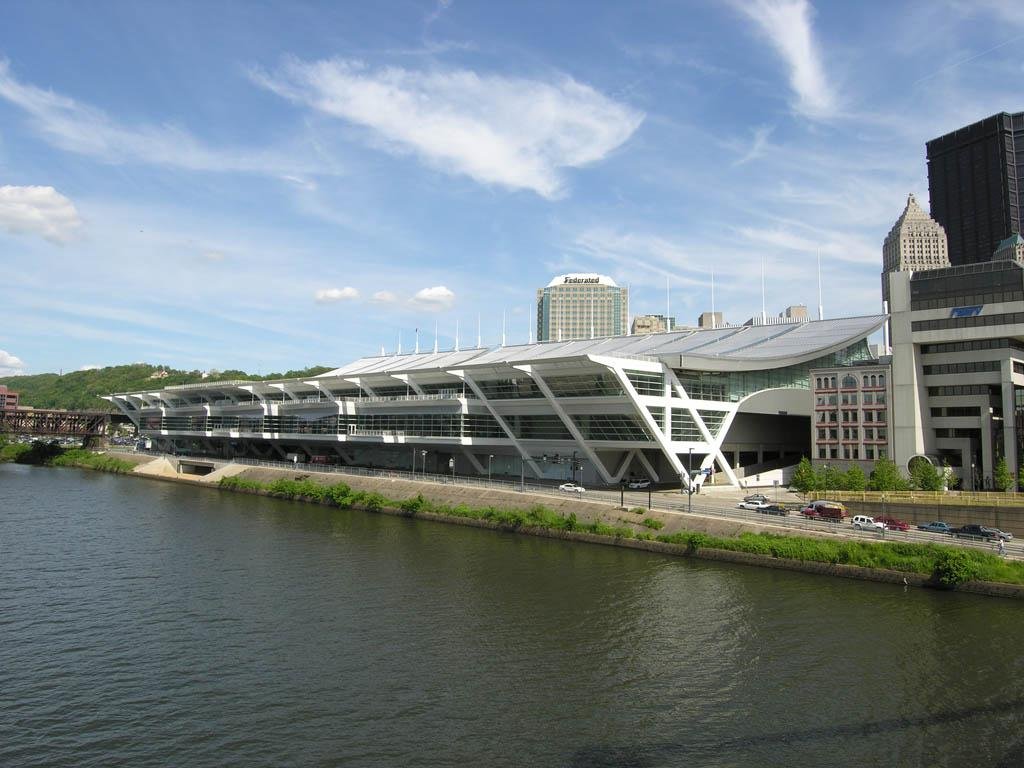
[[833, 479], [925, 475], [886, 477], [855, 479], [1002, 477], [804, 478]]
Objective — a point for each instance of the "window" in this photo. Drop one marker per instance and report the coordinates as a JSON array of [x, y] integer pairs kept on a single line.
[[869, 453], [866, 380], [821, 434], [823, 453], [849, 382]]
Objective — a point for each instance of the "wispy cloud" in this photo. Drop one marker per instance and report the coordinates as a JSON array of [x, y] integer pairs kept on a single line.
[[435, 299], [511, 132], [333, 295], [41, 211], [787, 26], [384, 297], [86, 130], [10, 365], [756, 149]]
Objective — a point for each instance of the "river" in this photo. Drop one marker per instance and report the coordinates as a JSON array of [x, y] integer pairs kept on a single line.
[[146, 623]]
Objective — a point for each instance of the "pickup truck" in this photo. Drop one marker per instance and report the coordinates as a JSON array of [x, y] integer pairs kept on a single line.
[[832, 513]]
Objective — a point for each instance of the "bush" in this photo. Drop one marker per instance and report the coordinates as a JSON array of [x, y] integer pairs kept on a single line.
[[652, 523], [638, 511], [953, 567]]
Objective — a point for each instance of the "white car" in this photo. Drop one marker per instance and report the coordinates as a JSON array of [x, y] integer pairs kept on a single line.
[[863, 522], [755, 505], [636, 484], [571, 488]]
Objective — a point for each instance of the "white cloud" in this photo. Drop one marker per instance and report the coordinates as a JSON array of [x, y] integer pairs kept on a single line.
[[384, 297], [86, 130], [38, 210], [787, 25], [433, 299], [757, 146], [89, 367], [10, 365], [512, 132], [331, 295]]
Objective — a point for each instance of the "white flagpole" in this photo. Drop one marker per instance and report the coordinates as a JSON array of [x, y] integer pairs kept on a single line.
[[399, 343], [713, 318], [821, 311], [478, 337], [764, 315], [456, 334], [435, 337], [417, 341], [503, 327]]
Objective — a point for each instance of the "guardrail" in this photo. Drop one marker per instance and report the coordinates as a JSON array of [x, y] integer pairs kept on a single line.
[[959, 498]]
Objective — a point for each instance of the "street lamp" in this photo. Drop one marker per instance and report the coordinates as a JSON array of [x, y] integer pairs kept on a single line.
[[423, 456], [689, 472], [489, 457]]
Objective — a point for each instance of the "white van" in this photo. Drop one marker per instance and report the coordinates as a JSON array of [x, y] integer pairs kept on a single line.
[[864, 522]]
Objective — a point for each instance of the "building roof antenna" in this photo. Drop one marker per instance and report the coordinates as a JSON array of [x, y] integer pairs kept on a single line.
[[456, 334], [478, 337], [764, 315], [713, 323]]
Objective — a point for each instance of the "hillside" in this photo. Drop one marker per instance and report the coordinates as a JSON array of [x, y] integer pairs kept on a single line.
[[81, 390]]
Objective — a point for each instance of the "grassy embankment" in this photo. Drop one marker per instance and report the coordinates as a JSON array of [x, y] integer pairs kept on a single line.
[[50, 455], [948, 566]]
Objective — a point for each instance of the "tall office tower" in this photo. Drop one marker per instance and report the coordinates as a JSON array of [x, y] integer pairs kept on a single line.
[[975, 179], [581, 306], [915, 242]]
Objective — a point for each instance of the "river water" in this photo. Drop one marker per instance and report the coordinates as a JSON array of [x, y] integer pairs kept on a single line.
[[147, 623]]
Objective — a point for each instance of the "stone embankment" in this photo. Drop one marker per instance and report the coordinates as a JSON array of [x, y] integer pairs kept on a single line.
[[586, 512]]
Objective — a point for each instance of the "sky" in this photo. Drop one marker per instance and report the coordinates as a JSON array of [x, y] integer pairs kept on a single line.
[[267, 186]]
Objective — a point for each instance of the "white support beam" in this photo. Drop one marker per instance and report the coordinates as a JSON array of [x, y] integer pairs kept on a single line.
[[714, 442], [130, 413], [498, 418], [474, 461], [567, 421], [626, 461], [648, 466], [406, 379], [649, 422], [363, 386]]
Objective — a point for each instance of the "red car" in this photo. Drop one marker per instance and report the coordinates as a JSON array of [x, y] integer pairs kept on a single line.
[[892, 523]]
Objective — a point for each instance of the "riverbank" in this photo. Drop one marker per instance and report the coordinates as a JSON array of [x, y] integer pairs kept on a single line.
[[696, 536]]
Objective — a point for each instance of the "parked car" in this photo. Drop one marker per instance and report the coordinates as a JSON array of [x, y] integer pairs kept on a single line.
[[756, 497], [981, 532], [757, 506], [830, 511], [863, 522], [774, 509], [936, 526], [571, 488], [893, 524], [642, 483]]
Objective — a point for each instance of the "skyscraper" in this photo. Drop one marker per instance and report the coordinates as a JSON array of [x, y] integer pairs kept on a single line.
[[581, 306], [915, 242], [974, 179]]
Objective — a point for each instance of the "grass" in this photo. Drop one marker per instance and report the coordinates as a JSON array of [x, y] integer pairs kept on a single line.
[[53, 455], [948, 565]]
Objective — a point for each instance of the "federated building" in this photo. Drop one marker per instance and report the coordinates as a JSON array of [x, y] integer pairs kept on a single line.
[[728, 401], [581, 306]]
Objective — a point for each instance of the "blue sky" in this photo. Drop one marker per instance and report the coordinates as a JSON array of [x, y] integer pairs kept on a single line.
[[272, 185]]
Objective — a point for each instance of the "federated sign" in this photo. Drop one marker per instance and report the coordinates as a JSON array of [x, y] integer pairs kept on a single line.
[[581, 281], [966, 311]]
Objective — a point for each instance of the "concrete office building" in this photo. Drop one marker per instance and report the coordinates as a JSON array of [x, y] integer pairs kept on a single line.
[[730, 400], [710, 320], [915, 242], [581, 306], [651, 324], [975, 178], [958, 367]]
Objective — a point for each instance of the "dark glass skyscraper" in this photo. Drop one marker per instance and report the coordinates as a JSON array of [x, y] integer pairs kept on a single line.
[[976, 184]]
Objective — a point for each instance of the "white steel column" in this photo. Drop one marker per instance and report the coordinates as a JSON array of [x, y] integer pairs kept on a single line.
[[567, 421], [498, 418], [714, 443]]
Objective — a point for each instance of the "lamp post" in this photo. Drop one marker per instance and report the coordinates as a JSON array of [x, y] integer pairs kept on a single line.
[[489, 457], [423, 456], [414, 463], [689, 472]]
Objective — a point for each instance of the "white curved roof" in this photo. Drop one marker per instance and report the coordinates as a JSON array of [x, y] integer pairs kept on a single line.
[[582, 278], [756, 347]]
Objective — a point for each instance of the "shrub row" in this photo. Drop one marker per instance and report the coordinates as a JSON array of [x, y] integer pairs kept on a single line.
[[949, 566]]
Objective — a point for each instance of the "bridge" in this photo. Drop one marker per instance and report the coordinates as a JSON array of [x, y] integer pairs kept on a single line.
[[35, 421]]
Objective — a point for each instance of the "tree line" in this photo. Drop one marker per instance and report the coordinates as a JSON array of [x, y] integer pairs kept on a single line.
[[81, 390], [886, 476]]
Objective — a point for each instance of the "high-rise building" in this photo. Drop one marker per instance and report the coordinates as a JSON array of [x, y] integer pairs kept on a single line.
[[651, 324], [1011, 248], [975, 176], [581, 306], [915, 242], [710, 320]]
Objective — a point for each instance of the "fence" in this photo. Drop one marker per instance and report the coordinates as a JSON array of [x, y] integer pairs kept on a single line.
[[934, 498]]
